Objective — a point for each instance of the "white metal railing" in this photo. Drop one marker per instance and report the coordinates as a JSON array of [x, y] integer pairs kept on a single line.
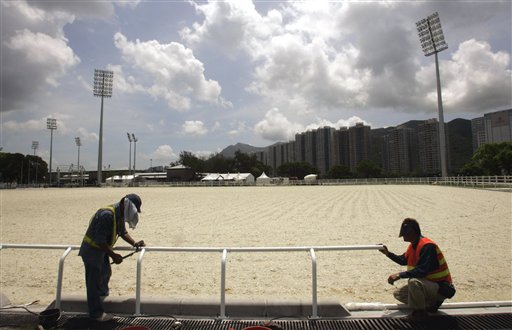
[[224, 256], [486, 181]]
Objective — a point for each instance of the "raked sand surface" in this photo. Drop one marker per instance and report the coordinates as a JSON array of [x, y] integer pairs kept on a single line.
[[472, 227]]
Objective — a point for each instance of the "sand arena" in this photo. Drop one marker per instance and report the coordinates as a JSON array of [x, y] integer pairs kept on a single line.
[[472, 227]]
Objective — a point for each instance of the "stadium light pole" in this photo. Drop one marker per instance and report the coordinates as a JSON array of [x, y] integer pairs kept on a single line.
[[130, 154], [134, 152], [103, 82], [35, 146], [78, 143], [432, 42], [51, 124]]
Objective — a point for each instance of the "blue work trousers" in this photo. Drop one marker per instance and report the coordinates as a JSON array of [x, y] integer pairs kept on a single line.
[[97, 277]]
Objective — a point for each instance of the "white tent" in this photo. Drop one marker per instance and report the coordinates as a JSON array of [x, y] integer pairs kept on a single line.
[[243, 177], [310, 177], [263, 179], [213, 177]]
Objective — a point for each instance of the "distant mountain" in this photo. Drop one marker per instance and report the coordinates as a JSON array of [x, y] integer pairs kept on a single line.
[[412, 124], [229, 152]]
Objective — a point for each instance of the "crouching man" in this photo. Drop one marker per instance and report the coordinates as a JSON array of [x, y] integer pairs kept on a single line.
[[429, 280]]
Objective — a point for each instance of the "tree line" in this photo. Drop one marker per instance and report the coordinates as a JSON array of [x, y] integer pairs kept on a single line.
[[489, 159]]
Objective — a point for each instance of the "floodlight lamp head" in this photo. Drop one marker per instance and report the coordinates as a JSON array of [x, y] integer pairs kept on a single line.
[[51, 123], [103, 82], [431, 35], [129, 137]]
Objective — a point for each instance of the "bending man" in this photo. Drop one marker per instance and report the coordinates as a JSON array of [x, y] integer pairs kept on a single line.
[[97, 246]]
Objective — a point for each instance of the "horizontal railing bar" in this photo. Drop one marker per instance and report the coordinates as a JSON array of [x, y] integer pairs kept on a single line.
[[206, 249], [311, 249]]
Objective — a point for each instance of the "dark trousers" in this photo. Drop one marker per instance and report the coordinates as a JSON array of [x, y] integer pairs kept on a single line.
[[97, 276]]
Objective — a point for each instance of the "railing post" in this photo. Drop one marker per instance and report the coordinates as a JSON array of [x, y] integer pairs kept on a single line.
[[59, 277], [223, 284], [137, 284], [314, 303]]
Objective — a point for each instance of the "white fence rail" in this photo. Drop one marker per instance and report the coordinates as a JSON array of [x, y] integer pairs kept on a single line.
[[224, 251], [490, 181]]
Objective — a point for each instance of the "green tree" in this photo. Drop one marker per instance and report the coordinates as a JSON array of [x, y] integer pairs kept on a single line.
[[298, 169], [189, 159], [368, 169], [15, 167], [220, 164], [339, 172], [491, 159]]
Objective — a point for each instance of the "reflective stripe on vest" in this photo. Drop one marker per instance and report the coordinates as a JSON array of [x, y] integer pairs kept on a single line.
[[90, 241], [441, 274]]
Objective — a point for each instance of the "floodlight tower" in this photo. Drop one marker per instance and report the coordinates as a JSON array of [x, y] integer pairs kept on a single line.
[[134, 152], [51, 124], [103, 82], [130, 154], [35, 146], [432, 42], [78, 143]]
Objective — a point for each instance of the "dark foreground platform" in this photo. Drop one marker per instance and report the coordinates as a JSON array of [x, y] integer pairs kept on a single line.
[[440, 321]]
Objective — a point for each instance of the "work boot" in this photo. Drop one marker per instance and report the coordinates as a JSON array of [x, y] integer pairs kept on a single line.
[[104, 317], [435, 306], [417, 316]]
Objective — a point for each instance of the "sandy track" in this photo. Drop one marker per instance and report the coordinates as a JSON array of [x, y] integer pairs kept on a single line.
[[473, 228]]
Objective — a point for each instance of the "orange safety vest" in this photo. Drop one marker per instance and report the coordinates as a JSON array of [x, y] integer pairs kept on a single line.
[[441, 274], [89, 240]]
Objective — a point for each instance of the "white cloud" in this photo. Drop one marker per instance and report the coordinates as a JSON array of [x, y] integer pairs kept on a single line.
[[476, 78], [230, 26], [39, 50], [127, 3], [35, 53], [38, 125], [176, 75], [276, 127], [125, 84], [163, 153], [239, 128], [318, 57], [194, 128], [29, 125], [87, 135], [352, 121]]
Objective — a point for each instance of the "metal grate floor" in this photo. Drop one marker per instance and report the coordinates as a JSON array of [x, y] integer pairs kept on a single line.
[[438, 322]]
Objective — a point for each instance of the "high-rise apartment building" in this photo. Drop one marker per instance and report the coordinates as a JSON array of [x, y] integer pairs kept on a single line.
[[428, 147], [324, 149], [398, 150], [493, 127], [310, 145], [341, 147], [478, 132], [460, 150], [359, 144], [300, 147], [498, 126]]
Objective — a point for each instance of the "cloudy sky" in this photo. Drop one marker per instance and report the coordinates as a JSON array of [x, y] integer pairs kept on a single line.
[[201, 75]]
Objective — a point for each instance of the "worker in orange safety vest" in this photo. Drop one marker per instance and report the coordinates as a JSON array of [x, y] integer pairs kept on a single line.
[[429, 279]]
